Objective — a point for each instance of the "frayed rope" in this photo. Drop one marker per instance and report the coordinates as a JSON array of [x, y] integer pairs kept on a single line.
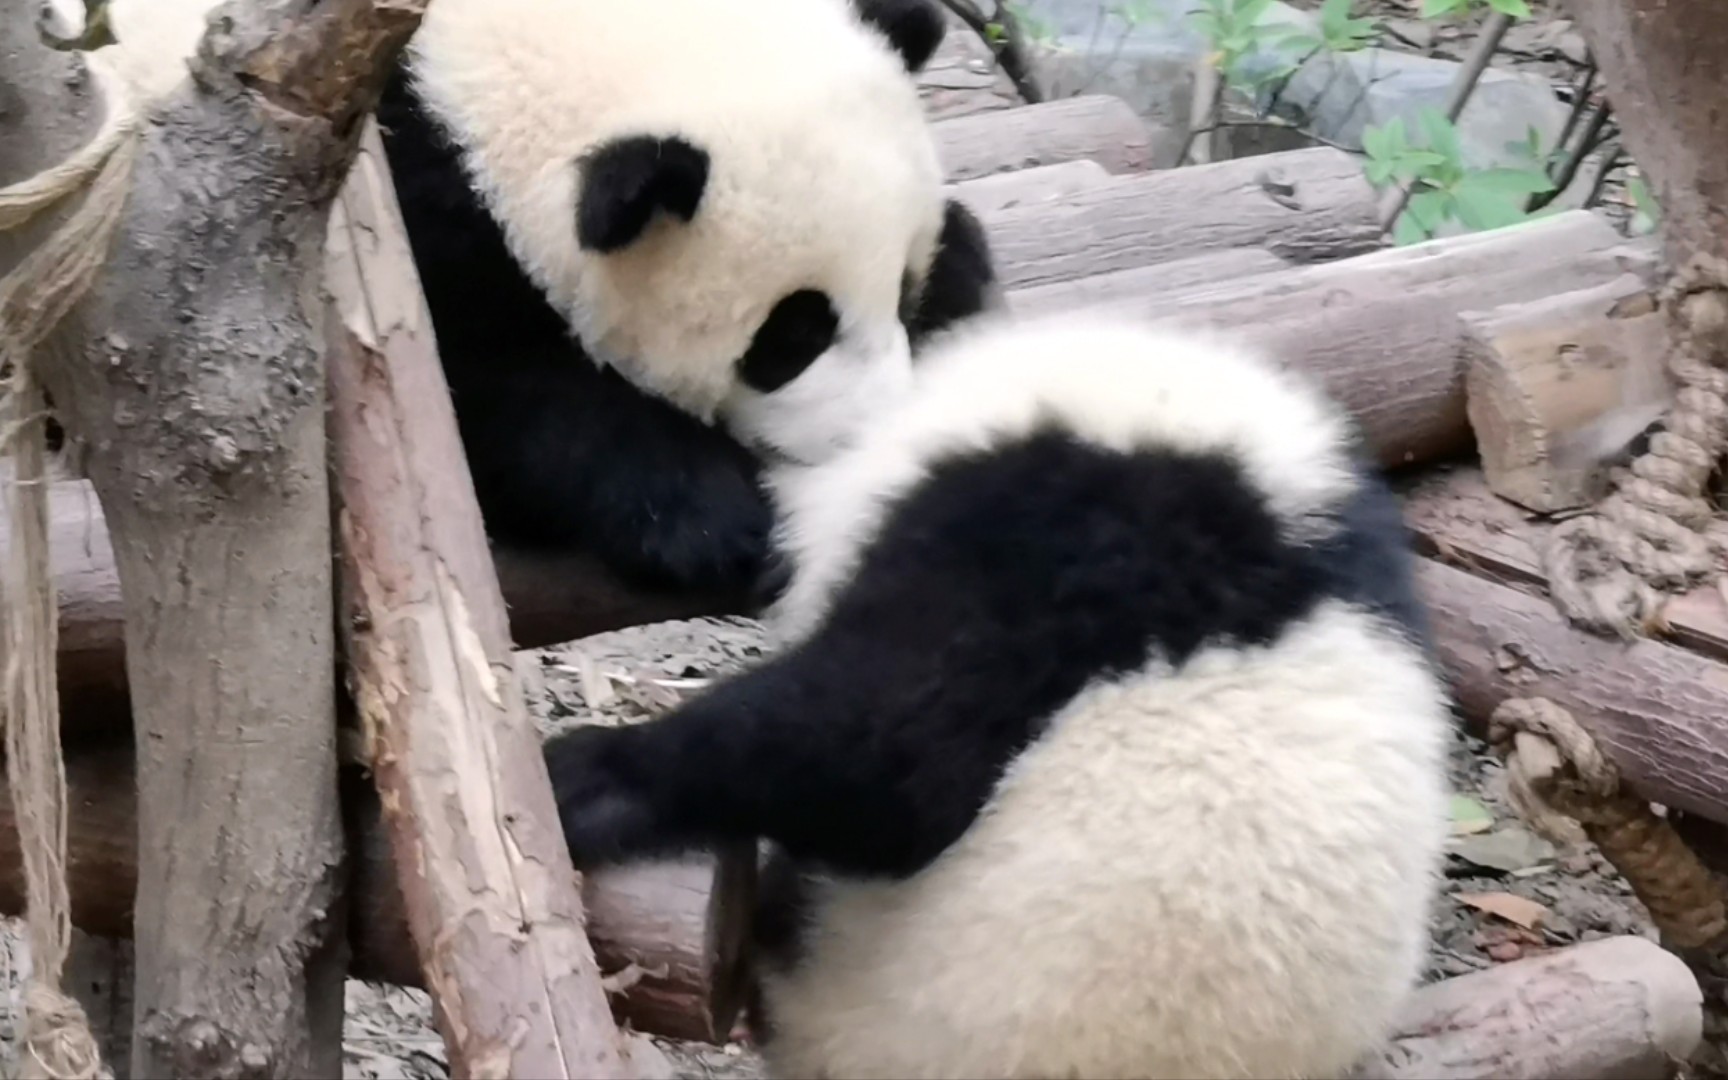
[[34, 298]]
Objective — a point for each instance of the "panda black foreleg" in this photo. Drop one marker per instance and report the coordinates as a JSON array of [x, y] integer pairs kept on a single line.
[[806, 750], [568, 456]]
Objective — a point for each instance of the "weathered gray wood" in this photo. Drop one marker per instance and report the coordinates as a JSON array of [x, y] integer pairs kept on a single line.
[[1040, 184], [1091, 127], [1655, 708], [1173, 278], [1556, 387], [1382, 330], [1453, 511], [1619, 1008], [1305, 206]]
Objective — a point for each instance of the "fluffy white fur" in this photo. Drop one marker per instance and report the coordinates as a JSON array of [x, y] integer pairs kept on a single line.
[[823, 171], [1219, 871], [1118, 384], [1112, 901]]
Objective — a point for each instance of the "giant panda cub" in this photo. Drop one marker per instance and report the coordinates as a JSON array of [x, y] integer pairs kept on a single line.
[[637, 222], [1104, 741]]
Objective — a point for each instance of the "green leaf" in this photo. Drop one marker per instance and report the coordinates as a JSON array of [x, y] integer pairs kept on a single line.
[[1407, 231], [1208, 24], [1378, 171], [1470, 816], [1249, 11], [1518, 9], [1296, 40], [1334, 14], [1434, 9], [1430, 209], [1440, 134], [1481, 207], [1419, 162], [1377, 143]]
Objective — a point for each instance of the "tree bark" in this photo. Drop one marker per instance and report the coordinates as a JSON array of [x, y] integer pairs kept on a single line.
[[192, 373], [1664, 64]]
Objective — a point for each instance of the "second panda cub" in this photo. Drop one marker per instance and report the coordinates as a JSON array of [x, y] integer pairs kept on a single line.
[[1104, 741]]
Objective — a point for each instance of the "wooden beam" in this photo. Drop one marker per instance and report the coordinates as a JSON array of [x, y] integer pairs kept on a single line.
[[1303, 206], [1658, 710], [1382, 331], [488, 889], [1091, 127], [1457, 519]]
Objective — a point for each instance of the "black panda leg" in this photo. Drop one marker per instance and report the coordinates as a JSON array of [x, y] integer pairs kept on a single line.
[[799, 751]]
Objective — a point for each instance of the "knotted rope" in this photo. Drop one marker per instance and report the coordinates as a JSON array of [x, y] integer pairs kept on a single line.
[[34, 297], [1605, 568], [1559, 780]]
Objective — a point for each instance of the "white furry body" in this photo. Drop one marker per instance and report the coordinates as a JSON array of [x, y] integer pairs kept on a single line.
[[1222, 870], [824, 173]]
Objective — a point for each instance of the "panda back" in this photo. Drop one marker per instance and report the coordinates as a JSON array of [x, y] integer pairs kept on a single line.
[[1214, 855]]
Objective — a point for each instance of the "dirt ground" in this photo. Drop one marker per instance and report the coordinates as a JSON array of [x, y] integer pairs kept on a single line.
[[1576, 895]]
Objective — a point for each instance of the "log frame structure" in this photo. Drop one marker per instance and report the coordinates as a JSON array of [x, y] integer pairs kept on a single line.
[[1391, 332]]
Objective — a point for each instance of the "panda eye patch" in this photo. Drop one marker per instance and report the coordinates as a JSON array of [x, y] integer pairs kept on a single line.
[[799, 329]]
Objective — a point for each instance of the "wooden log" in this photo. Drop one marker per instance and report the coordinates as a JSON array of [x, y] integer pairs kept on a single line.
[[1173, 278], [1619, 1008], [1304, 206], [1457, 518], [1381, 331], [1557, 387], [1040, 184], [680, 924], [1092, 127], [488, 889], [1655, 708]]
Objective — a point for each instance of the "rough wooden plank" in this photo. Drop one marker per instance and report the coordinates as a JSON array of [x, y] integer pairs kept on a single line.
[[1040, 184], [1381, 331], [1619, 1008], [1092, 127], [1456, 517], [1660, 711], [486, 880], [1556, 387], [1172, 278], [1304, 206]]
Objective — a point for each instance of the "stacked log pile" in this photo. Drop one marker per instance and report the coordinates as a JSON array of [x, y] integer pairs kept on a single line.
[[1439, 349]]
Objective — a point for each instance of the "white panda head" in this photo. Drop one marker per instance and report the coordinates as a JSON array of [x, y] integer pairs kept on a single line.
[[732, 204]]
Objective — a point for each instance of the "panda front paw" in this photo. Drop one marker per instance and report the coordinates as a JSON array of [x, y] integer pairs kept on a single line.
[[606, 813]]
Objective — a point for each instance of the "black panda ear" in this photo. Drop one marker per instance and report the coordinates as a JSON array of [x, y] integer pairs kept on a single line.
[[622, 183], [913, 27]]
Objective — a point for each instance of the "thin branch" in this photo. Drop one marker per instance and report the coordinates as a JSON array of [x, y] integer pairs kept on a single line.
[[1568, 171], [1463, 85]]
